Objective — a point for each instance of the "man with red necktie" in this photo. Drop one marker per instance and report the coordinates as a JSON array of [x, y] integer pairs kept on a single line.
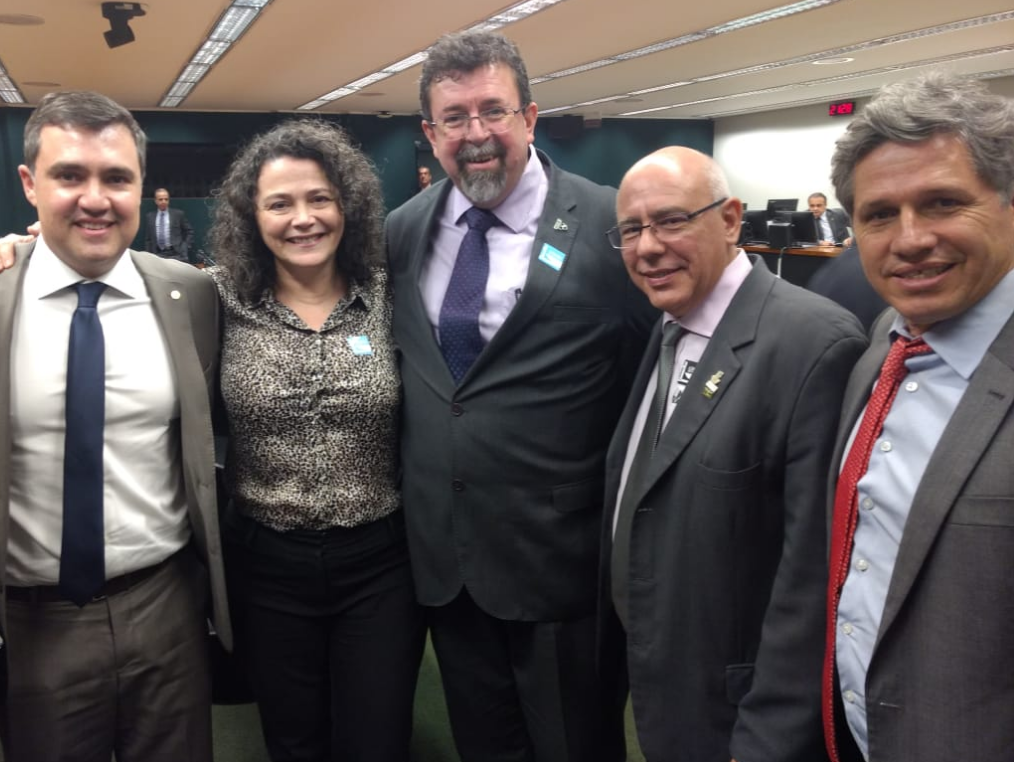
[[919, 664]]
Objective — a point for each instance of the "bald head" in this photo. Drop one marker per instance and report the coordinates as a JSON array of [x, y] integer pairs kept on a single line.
[[678, 199]]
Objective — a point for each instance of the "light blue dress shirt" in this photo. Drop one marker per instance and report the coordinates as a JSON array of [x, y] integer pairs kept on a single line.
[[926, 400]]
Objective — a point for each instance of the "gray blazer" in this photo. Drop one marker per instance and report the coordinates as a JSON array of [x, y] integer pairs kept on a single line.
[[940, 685], [727, 556], [503, 474], [190, 326]]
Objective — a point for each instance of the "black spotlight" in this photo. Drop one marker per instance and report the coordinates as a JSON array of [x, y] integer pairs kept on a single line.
[[119, 14]]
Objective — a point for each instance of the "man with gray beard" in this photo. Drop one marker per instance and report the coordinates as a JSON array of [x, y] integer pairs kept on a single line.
[[520, 334]]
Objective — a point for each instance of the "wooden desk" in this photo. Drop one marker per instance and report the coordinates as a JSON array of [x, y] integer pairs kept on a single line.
[[795, 265]]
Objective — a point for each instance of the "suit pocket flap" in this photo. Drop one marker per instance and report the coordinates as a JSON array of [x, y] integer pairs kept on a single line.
[[983, 511], [578, 496]]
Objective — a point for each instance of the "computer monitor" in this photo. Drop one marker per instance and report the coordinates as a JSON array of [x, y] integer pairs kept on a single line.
[[783, 204], [804, 228], [757, 221]]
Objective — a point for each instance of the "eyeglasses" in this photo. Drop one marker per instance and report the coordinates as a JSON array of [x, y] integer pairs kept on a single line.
[[495, 120], [627, 235]]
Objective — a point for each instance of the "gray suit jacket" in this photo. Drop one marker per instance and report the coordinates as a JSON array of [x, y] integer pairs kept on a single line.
[[503, 474], [940, 685], [727, 555], [181, 234], [190, 326]]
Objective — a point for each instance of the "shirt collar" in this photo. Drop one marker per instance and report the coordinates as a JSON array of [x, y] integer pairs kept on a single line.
[[705, 317], [962, 341], [49, 274], [515, 210]]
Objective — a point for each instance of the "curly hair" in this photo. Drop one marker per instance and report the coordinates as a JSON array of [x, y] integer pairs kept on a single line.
[[464, 52], [917, 109], [235, 238]]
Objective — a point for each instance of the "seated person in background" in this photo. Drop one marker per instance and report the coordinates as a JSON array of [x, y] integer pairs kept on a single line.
[[832, 225]]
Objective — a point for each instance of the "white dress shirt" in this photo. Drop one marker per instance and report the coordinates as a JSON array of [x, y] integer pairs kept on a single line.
[[144, 501]]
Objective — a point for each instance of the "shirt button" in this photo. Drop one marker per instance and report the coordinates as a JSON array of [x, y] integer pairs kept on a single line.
[[911, 386], [885, 446], [862, 564], [850, 697], [847, 628], [867, 503]]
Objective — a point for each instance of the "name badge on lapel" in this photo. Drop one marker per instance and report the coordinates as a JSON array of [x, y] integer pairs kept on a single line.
[[552, 257], [360, 345]]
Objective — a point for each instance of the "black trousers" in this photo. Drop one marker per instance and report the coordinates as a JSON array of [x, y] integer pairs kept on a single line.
[[328, 626], [524, 691]]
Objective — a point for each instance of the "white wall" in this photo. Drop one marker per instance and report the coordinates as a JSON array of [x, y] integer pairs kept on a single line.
[[787, 153], [779, 154]]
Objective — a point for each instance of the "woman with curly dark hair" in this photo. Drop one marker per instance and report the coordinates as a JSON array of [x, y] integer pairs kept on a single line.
[[315, 539]]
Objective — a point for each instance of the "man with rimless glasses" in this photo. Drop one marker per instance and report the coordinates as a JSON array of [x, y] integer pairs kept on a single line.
[[714, 536], [519, 335]]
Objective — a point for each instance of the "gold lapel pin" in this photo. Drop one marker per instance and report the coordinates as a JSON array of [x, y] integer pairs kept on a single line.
[[711, 385]]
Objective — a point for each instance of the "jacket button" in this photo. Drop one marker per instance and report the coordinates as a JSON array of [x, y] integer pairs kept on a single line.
[[457, 409], [457, 485]]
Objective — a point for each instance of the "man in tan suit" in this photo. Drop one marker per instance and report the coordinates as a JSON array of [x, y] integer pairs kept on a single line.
[[108, 521]]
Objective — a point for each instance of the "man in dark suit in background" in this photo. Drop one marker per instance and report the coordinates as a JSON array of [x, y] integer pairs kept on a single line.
[[519, 335], [167, 232], [842, 280], [919, 663], [108, 519], [714, 532], [832, 227]]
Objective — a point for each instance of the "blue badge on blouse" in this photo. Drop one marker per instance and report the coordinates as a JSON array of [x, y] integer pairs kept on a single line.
[[552, 256], [360, 345]]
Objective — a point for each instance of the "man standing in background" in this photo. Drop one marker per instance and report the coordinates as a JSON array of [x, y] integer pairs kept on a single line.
[[167, 231]]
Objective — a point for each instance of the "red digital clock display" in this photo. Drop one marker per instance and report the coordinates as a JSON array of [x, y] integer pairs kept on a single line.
[[842, 108]]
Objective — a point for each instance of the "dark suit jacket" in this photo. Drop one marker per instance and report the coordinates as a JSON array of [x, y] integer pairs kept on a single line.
[[181, 235], [503, 474], [940, 685], [190, 325], [842, 280], [839, 224], [727, 554]]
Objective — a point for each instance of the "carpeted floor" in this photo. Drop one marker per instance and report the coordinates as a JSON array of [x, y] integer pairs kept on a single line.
[[238, 733]]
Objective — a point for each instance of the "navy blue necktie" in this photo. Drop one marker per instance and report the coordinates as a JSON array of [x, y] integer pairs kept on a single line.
[[460, 340], [82, 557]]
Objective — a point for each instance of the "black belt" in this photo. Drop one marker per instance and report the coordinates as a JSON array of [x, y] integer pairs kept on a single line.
[[114, 586]]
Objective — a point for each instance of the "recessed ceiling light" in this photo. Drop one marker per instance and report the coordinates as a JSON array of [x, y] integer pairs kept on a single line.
[[832, 61], [20, 19]]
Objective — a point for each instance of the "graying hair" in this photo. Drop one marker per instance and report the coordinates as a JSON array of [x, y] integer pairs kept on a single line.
[[932, 104], [464, 52]]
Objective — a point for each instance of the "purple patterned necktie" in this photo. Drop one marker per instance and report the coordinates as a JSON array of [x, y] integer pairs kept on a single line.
[[460, 340]]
